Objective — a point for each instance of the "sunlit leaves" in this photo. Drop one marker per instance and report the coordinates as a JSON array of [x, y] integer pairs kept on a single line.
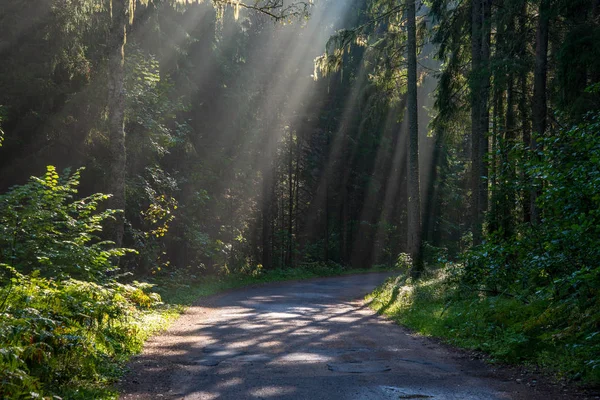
[[58, 334], [159, 214], [151, 107], [43, 227]]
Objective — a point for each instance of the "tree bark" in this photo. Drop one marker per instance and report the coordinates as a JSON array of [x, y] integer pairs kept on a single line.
[[116, 115], [266, 216], [524, 116], [296, 239], [290, 201], [414, 193], [486, 39], [476, 124], [510, 172], [539, 106]]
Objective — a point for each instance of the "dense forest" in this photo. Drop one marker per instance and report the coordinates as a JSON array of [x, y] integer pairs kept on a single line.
[[173, 141]]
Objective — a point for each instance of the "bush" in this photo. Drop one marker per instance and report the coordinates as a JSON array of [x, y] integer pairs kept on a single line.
[[65, 322], [553, 267], [58, 334], [42, 227]]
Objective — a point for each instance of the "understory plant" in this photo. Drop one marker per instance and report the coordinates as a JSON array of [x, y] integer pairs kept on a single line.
[[65, 320], [552, 267]]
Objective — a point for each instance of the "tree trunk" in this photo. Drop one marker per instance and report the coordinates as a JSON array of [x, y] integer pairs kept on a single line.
[[539, 106], [296, 239], [476, 124], [494, 214], [486, 38], [326, 230], [526, 137], [290, 201], [509, 142], [266, 216], [523, 106], [414, 193], [116, 115]]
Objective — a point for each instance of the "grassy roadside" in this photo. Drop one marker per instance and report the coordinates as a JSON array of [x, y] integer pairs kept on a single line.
[[504, 327]]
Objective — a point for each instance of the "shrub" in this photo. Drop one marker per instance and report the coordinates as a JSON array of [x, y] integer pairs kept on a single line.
[[65, 321], [55, 334], [42, 227]]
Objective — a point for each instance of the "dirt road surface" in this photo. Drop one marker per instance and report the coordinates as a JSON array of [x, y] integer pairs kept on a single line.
[[309, 340]]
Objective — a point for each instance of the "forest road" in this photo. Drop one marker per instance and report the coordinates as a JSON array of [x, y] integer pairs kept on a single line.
[[314, 339]]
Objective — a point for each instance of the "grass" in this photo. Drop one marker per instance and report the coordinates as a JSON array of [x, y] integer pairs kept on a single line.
[[505, 328]]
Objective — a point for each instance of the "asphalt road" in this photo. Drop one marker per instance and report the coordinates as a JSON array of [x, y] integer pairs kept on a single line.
[[312, 340]]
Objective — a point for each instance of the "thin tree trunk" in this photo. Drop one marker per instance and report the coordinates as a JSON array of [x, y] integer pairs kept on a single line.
[[282, 238], [494, 168], [525, 128], [297, 200], [539, 106], [290, 201], [414, 193], [326, 230], [266, 216], [523, 107], [344, 209], [486, 31], [116, 115], [430, 211], [476, 124], [509, 142]]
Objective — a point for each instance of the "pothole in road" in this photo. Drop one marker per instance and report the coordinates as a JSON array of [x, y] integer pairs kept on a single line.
[[359, 367], [402, 394], [429, 392], [428, 364]]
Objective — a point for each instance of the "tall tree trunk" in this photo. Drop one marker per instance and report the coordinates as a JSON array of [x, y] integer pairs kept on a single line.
[[539, 106], [116, 114], [476, 123], [267, 218], [494, 214], [290, 201], [430, 212], [296, 201], [327, 172], [523, 104], [414, 193], [486, 39], [509, 142], [344, 208], [282, 238], [326, 230]]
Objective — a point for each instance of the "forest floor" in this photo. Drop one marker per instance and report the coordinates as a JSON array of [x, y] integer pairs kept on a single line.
[[314, 339]]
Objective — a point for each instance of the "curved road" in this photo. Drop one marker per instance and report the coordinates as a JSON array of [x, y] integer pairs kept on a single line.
[[305, 340]]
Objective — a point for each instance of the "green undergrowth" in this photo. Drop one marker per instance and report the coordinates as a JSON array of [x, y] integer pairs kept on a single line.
[[69, 339], [508, 329]]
